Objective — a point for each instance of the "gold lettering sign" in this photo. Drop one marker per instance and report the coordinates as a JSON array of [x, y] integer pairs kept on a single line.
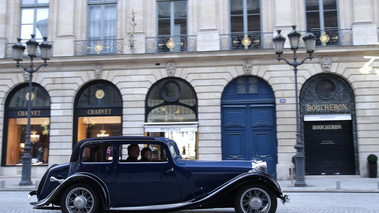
[[99, 111], [25, 113], [326, 107]]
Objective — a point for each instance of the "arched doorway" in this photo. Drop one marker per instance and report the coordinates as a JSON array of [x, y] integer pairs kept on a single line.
[[171, 111], [98, 111], [15, 122], [330, 140], [249, 121]]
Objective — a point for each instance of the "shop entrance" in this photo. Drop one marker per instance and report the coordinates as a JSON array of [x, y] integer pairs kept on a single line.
[[329, 148]]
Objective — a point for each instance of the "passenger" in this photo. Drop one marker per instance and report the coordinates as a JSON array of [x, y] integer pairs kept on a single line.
[[133, 152], [145, 154]]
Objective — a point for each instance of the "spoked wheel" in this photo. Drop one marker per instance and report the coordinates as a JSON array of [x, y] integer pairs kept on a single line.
[[80, 198], [255, 199]]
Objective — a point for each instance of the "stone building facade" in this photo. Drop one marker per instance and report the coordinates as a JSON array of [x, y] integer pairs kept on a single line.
[[220, 93]]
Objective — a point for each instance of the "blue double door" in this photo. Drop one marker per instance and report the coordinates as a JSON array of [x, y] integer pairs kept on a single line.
[[249, 132]]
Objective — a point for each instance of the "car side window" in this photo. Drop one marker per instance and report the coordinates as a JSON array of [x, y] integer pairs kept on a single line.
[[98, 153], [141, 152]]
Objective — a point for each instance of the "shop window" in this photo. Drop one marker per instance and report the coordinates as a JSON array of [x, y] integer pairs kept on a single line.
[[171, 111], [98, 111], [16, 123]]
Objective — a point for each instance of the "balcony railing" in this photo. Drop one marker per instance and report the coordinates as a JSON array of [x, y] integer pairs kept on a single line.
[[183, 43], [239, 41], [99, 47], [333, 37]]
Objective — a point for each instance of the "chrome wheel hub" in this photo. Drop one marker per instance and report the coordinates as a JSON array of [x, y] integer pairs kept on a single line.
[[80, 202], [256, 203]]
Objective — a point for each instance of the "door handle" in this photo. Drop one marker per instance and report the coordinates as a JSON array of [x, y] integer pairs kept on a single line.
[[170, 170]]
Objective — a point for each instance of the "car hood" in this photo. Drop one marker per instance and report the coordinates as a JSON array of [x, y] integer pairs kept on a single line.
[[232, 166]]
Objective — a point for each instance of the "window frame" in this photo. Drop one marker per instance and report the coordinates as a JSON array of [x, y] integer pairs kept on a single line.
[[35, 7]]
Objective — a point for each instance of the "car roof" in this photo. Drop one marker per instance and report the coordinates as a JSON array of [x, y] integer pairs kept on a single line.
[[76, 150]]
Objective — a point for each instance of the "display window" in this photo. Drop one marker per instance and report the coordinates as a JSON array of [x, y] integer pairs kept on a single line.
[[98, 111], [16, 124], [171, 112]]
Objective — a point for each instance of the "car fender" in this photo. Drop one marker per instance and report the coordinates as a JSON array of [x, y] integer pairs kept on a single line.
[[87, 178], [237, 182]]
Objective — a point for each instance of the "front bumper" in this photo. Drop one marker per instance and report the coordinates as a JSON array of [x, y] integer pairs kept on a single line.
[[285, 198]]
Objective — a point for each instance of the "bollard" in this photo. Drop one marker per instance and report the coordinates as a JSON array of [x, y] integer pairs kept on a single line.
[[338, 184], [2, 184]]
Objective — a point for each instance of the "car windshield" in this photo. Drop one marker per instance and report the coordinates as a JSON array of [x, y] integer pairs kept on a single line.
[[174, 150]]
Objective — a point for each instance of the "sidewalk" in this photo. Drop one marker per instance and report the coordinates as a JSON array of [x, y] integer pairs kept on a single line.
[[349, 184]]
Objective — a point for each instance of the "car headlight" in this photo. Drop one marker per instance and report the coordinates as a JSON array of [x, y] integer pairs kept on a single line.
[[258, 166]]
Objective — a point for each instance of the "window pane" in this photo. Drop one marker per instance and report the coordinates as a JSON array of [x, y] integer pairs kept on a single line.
[[27, 16], [99, 126], [313, 20], [254, 22], [43, 1], [253, 7], [164, 27], [171, 113], [27, 1], [164, 9], [236, 24], [331, 19], [100, 94], [40, 98], [39, 139], [180, 27], [26, 31], [180, 9], [236, 7], [98, 153], [330, 4]]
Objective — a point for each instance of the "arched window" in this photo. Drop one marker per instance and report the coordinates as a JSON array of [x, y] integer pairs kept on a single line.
[[98, 111], [171, 111], [16, 122], [171, 100]]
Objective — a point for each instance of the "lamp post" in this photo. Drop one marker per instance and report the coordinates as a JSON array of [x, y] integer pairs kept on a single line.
[[309, 41], [18, 52]]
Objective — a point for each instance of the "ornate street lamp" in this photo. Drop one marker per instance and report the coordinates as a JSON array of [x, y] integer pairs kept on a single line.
[[309, 41], [18, 52]]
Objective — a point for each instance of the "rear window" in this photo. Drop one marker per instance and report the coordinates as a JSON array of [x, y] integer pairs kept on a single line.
[[141, 152], [98, 153]]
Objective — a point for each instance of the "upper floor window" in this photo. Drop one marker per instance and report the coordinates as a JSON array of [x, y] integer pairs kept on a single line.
[[102, 26], [34, 19], [245, 24], [322, 20], [172, 25]]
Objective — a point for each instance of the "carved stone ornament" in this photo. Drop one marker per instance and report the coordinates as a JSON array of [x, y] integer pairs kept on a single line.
[[98, 71], [171, 69], [326, 64], [248, 67], [26, 76]]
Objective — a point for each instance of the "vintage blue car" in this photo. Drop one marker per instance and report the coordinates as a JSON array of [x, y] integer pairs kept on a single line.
[[148, 174]]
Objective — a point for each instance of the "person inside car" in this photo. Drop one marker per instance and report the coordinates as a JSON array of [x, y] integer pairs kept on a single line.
[[133, 152], [145, 154]]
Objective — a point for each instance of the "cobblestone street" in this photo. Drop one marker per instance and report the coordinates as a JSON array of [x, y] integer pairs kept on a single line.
[[15, 202]]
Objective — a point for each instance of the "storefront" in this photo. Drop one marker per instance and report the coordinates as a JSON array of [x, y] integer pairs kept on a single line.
[[171, 111], [329, 123], [15, 123], [98, 111]]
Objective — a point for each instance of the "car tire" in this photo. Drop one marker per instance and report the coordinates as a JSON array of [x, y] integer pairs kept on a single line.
[[255, 198], [80, 198]]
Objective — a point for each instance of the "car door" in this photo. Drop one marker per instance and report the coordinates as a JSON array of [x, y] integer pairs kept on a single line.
[[145, 182]]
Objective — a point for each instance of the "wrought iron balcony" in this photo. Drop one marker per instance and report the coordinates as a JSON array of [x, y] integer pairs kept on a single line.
[[99, 47], [239, 41], [333, 37], [182, 43]]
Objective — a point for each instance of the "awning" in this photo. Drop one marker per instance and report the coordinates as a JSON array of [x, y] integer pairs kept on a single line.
[[330, 117]]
